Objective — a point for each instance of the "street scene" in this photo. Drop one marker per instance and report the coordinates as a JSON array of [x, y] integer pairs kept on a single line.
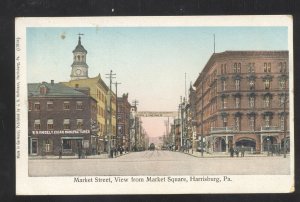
[[160, 163], [158, 101]]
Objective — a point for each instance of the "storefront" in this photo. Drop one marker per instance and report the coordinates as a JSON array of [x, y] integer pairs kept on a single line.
[[64, 142]]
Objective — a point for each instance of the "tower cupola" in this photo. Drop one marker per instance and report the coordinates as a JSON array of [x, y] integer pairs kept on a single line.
[[79, 66]]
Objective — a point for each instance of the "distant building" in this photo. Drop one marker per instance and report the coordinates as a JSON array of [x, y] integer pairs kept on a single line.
[[61, 119], [241, 95], [123, 121]]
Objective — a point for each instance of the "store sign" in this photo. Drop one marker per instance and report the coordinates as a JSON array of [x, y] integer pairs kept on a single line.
[[59, 132]]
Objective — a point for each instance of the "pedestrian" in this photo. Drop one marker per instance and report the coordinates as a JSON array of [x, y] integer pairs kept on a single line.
[[237, 152], [79, 153], [231, 151], [112, 153], [115, 150], [60, 153], [242, 151]]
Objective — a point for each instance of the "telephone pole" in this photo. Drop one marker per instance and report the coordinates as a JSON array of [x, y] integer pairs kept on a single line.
[[110, 76], [117, 129], [135, 103]]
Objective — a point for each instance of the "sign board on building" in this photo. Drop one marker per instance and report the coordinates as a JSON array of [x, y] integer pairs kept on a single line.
[[59, 132]]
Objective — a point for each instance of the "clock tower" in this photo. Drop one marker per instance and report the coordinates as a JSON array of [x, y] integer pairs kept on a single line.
[[79, 66]]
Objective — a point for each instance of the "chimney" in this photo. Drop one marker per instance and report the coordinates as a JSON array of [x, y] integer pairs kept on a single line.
[[52, 82]]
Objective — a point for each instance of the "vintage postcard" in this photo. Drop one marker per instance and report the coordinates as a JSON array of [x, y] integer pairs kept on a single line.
[[154, 105]]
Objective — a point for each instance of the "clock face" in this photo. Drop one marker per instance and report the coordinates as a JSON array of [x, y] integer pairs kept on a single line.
[[78, 71]]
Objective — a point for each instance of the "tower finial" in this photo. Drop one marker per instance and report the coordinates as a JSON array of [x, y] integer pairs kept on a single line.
[[79, 38]]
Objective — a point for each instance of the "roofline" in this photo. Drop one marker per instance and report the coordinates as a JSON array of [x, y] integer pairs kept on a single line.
[[229, 53]]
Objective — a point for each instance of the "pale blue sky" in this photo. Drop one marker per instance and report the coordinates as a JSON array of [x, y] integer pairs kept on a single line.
[[150, 62]]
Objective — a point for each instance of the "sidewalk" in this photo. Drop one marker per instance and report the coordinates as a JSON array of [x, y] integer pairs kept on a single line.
[[101, 156], [227, 155]]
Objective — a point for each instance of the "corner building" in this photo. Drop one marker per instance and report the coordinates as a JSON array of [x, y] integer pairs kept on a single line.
[[60, 119], [242, 100]]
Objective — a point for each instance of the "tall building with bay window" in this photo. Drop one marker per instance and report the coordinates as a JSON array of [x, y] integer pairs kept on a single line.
[[61, 119], [242, 100]]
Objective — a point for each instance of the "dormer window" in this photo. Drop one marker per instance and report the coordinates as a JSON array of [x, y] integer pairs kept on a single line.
[[43, 90]]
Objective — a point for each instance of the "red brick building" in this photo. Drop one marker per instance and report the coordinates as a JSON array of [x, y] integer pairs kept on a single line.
[[61, 118], [242, 96], [123, 121]]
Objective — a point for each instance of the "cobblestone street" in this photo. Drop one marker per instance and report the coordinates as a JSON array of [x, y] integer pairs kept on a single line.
[[160, 163]]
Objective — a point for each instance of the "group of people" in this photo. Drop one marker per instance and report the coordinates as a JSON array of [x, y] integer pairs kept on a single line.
[[117, 150], [237, 151]]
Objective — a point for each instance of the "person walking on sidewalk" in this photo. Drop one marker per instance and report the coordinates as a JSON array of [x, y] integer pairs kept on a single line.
[[231, 151], [242, 151], [237, 152]]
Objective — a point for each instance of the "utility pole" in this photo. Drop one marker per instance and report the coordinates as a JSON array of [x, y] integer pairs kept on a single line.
[[117, 129], [110, 76], [181, 123], [135, 103], [214, 43]]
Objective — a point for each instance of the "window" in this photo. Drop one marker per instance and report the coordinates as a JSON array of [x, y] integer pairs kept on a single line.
[[267, 101], [223, 68], [37, 124], [37, 106], [225, 121], [282, 122], [43, 90], [237, 102], [50, 124], [224, 103], [282, 66], [282, 99], [48, 145], [67, 144], [251, 102], [79, 105], [251, 84], [252, 123], [239, 68], [223, 85], [237, 123], [29, 106], [267, 84], [267, 121], [235, 68], [49, 105], [67, 124], [282, 83], [237, 84], [66, 105], [267, 67], [79, 123], [251, 67]]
